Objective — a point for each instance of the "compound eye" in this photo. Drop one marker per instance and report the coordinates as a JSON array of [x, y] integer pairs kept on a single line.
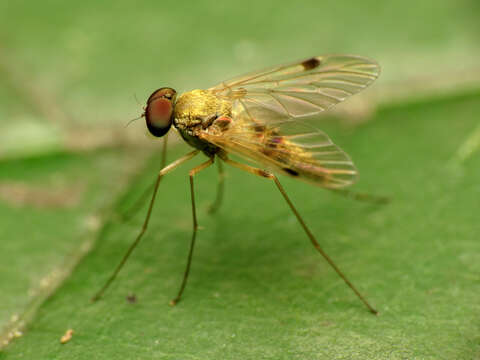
[[159, 113]]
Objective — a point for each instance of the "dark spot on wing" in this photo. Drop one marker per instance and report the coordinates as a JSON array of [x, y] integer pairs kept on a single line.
[[259, 128], [275, 141], [290, 171], [267, 152], [311, 63]]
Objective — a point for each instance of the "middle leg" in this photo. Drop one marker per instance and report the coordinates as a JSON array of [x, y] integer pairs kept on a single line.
[[192, 173], [220, 189]]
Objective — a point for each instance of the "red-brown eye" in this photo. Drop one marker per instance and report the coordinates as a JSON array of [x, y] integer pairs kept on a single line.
[[159, 111]]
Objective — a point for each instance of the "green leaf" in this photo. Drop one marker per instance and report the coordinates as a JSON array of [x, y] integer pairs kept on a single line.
[[258, 289], [51, 209], [68, 75]]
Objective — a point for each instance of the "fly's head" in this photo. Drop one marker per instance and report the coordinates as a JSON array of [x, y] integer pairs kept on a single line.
[[159, 111]]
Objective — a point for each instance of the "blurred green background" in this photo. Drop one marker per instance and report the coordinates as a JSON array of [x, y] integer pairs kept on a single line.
[[70, 77]]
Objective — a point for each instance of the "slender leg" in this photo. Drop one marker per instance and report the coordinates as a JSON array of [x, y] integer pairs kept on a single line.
[[162, 172], [220, 189], [362, 196], [192, 173], [270, 176], [137, 205]]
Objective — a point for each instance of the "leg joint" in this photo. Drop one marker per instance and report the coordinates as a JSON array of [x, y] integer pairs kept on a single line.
[[266, 174]]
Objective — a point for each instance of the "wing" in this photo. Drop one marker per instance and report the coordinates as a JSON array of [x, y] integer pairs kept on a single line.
[[266, 125], [305, 153], [299, 89]]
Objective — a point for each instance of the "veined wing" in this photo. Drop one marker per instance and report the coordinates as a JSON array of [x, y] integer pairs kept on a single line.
[[267, 107], [291, 148], [298, 89]]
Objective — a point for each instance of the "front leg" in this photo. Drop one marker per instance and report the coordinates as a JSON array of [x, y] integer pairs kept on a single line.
[[160, 175]]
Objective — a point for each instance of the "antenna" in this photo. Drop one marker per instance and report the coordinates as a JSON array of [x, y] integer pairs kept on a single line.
[[137, 118]]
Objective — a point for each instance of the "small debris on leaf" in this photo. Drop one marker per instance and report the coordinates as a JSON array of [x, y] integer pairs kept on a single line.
[[67, 336], [131, 298]]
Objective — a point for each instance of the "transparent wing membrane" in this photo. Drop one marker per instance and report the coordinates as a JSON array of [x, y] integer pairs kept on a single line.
[[301, 88], [293, 148], [268, 109]]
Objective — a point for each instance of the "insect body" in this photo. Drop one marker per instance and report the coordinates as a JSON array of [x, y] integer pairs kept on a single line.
[[260, 117], [197, 111]]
